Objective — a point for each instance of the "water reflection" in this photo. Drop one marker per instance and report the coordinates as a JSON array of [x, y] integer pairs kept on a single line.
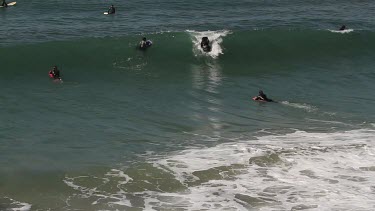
[[207, 102]]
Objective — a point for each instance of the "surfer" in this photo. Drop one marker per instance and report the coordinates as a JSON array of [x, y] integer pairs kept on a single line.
[[343, 27], [205, 44], [262, 96], [145, 43], [4, 4], [111, 10], [55, 73]]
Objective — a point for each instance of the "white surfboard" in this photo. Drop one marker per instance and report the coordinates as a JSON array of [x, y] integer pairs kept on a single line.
[[11, 4], [105, 13]]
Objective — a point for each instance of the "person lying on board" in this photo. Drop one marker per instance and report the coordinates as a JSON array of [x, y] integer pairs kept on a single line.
[[262, 96], [55, 73]]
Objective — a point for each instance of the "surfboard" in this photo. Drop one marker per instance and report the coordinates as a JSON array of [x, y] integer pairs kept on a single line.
[[11, 4], [105, 13], [263, 101], [255, 99]]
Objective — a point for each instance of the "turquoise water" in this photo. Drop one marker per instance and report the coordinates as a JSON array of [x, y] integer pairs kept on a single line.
[[173, 128]]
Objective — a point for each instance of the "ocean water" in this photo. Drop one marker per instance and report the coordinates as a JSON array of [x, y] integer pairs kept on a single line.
[[174, 128]]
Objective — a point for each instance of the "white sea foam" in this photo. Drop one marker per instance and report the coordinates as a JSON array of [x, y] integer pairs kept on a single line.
[[299, 170], [95, 195], [304, 106], [119, 174], [24, 207], [342, 31], [215, 37], [316, 171], [329, 122], [18, 206]]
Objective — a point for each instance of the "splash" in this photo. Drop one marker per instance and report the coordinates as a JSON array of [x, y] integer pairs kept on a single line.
[[342, 31], [15, 205], [215, 37]]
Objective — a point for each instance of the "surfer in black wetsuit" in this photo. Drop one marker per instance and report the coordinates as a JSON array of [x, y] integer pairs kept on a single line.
[[111, 10], [205, 44], [262, 96], [144, 43], [343, 27], [55, 73], [4, 4]]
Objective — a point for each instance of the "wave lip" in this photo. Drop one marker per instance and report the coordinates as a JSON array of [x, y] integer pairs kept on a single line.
[[264, 49]]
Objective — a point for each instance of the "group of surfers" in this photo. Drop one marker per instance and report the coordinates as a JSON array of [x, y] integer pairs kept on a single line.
[[54, 73], [144, 44], [205, 43]]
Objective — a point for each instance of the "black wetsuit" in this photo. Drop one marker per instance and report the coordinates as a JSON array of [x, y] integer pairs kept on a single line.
[[56, 74], [4, 4], [205, 45], [144, 44], [111, 10], [264, 97]]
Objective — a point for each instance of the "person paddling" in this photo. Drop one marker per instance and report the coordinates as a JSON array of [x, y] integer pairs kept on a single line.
[[205, 44], [144, 43], [55, 73], [111, 10], [262, 96]]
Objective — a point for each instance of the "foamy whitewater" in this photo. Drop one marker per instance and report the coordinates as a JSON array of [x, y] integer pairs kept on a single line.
[[175, 128], [215, 37], [272, 172]]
